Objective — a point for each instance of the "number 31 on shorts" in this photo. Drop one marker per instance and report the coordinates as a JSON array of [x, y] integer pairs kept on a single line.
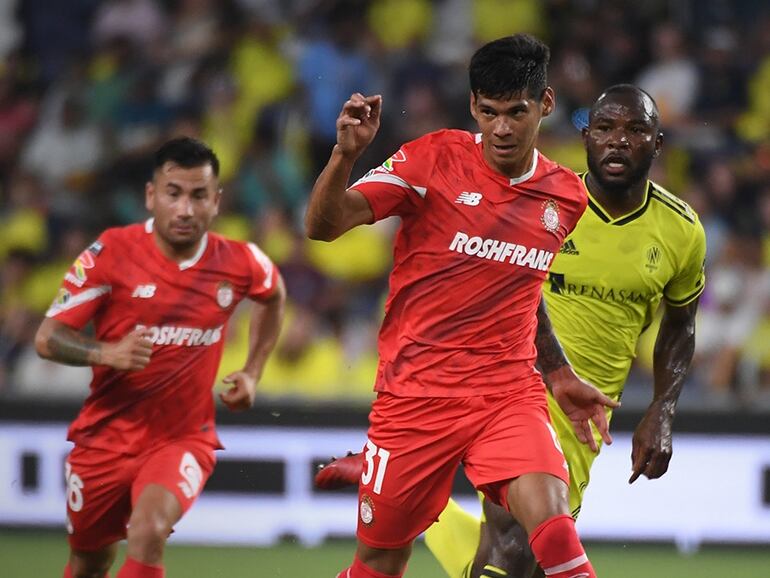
[[371, 467]]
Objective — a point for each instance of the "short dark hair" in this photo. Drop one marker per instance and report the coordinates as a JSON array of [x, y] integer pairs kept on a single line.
[[508, 66], [186, 152]]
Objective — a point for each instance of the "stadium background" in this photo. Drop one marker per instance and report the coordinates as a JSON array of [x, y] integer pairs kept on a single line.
[[88, 91]]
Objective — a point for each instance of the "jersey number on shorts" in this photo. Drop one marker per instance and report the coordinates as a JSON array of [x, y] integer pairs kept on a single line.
[[192, 474], [74, 488], [382, 464]]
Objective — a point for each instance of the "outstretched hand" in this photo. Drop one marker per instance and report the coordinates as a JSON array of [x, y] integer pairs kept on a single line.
[[583, 404], [651, 447], [240, 396], [358, 123]]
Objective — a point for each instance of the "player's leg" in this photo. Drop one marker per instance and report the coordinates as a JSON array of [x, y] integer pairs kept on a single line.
[[410, 459], [504, 550], [504, 544], [539, 501], [167, 484], [90, 564], [155, 513], [454, 538], [519, 465], [98, 506]]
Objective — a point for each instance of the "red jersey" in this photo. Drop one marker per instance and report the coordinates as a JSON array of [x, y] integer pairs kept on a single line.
[[469, 262], [123, 281]]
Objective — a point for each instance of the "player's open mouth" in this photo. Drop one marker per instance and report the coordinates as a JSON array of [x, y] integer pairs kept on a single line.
[[502, 149], [615, 165]]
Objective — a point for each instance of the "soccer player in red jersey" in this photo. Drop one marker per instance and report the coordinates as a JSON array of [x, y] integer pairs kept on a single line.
[[482, 217], [159, 294]]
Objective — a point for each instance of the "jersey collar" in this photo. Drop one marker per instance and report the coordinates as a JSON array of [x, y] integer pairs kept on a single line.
[[148, 226], [526, 176], [594, 205]]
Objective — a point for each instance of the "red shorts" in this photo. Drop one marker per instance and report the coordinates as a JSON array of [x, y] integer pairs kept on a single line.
[[416, 444], [102, 486]]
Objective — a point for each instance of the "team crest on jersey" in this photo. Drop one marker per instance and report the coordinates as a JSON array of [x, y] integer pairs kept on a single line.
[[224, 294], [366, 510], [652, 255], [550, 217], [399, 157]]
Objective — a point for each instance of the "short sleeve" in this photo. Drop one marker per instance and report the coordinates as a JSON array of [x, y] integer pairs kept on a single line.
[[264, 274], [689, 282], [399, 185], [86, 286]]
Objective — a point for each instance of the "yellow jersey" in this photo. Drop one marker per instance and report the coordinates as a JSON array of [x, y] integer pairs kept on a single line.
[[611, 274]]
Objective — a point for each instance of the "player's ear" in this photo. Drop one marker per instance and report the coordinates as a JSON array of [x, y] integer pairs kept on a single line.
[[658, 143], [149, 195], [473, 106], [549, 101], [217, 198]]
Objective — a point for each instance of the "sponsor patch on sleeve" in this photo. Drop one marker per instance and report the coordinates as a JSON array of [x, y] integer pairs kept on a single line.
[[95, 248]]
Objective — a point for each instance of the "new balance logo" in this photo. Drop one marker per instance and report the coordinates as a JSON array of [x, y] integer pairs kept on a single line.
[[569, 248], [144, 291], [470, 199]]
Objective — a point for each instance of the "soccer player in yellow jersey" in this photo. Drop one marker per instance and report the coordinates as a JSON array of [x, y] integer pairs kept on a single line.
[[635, 246]]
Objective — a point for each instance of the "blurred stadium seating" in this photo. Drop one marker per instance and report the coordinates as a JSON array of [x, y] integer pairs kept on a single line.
[[86, 95]]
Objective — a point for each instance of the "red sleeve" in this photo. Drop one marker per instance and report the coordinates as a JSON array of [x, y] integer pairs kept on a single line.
[[86, 285], [398, 186], [264, 274]]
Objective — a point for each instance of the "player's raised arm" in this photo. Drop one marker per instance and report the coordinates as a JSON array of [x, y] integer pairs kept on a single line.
[[59, 342], [333, 209], [265, 326], [674, 347], [581, 402]]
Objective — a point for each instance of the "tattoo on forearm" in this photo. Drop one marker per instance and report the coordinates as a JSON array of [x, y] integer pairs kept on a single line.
[[72, 348], [550, 355]]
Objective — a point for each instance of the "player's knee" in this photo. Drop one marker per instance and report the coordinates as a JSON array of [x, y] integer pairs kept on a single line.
[[509, 554], [148, 533]]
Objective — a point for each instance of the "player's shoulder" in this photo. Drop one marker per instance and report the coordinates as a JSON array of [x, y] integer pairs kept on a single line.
[[114, 238], [233, 250], [560, 180], [671, 207], [225, 245], [445, 137]]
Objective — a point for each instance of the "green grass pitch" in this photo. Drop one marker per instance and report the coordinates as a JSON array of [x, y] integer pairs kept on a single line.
[[42, 555]]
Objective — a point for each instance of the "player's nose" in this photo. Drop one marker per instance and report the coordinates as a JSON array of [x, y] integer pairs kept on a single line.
[[502, 127], [618, 139], [185, 207]]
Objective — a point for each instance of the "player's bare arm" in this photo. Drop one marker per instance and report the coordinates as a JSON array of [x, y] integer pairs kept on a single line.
[[581, 402], [59, 342], [265, 325], [674, 347], [333, 209]]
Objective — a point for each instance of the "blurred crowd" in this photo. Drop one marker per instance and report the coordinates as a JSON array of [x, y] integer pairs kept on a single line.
[[88, 89]]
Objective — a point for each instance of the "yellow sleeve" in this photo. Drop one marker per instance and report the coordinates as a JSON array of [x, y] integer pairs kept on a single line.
[[690, 280]]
